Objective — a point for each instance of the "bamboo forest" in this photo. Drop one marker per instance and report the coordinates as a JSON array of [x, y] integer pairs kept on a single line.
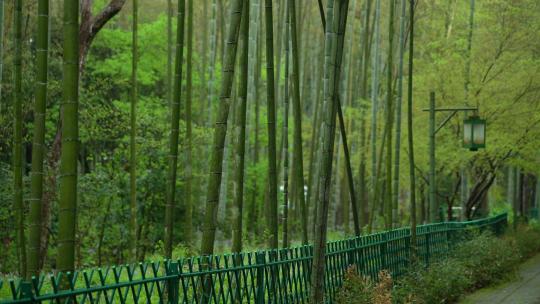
[[269, 151]]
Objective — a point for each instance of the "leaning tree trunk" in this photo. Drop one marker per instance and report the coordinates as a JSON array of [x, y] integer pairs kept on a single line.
[[133, 139], [17, 140], [241, 132], [173, 141], [34, 219], [334, 41], [70, 138], [324, 179], [220, 130]]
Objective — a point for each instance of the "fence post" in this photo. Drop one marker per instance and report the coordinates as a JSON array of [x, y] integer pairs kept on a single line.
[[428, 245], [448, 237], [384, 245], [351, 252], [26, 292], [172, 283], [408, 250], [261, 264]]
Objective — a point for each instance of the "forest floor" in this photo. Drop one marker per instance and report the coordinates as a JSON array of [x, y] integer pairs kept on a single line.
[[525, 289]]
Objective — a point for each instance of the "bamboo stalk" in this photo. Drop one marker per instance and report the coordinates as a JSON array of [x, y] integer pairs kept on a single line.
[[70, 137], [34, 218], [173, 140]]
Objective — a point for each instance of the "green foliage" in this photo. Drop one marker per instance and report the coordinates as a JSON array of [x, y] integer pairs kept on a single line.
[[487, 259], [526, 239], [504, 84], [444, 282], [473, 264], [481, 261]]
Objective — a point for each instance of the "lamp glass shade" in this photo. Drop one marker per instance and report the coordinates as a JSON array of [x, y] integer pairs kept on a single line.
[[479, 132], [474, 133], [467, 133]]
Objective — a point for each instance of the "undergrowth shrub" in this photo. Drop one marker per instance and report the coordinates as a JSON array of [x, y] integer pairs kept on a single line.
[[474, 263], [359, 289], [526, 239], [488, 259], [443, 282]]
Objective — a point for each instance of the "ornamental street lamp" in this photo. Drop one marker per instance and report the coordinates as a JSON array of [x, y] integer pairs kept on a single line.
[[474, 133], [473, 138]]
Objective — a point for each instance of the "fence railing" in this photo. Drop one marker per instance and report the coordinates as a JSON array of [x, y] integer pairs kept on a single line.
[[274, 276]]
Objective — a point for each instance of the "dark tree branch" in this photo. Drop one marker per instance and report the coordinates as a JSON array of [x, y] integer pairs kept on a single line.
[[91, 25]]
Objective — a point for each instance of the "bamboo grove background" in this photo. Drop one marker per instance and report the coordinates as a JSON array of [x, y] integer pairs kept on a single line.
[[153, 80]]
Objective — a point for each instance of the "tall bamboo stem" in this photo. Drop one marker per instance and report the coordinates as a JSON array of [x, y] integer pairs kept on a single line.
[[70, 140], [34, 219], [175, 122]]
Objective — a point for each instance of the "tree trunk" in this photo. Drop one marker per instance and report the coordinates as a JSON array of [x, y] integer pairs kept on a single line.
[[89, 27], [410, 138], [173, 141], [272, 224], [348, 168], [285, 135], [374, 106], [133, 139], [38, 145], [188, 213], [467, 78], [389, 116], [363, 192], [254, 64], [18, 206], [211, 66], [241, 131], [297, 112], [397, 151], [70, 138], [2, 4], [313, 158], [220, 131], [334, 41]]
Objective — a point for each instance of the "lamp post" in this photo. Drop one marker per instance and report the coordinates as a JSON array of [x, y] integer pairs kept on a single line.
[[473, 139], [433, 204]]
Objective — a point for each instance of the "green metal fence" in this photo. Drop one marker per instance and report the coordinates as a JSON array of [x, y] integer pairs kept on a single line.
[[276, 276]]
